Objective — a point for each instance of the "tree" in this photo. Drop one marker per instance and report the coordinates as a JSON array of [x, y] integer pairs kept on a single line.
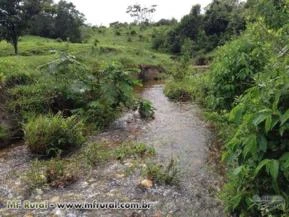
[[140, 13], [41, 14], [68, 21], [12, 21]]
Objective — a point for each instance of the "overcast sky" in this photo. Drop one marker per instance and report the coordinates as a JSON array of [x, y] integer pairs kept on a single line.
[[103, 12]]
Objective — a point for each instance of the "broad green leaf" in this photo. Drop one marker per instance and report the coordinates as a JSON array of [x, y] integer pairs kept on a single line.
[[273, 169], [285, 117], [261, 116], [284, 160], [262, 142], [268, 124], [250, 145], [261, 165], [238, 170]]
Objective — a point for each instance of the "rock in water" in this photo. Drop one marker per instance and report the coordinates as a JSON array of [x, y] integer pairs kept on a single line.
[[146, 183]]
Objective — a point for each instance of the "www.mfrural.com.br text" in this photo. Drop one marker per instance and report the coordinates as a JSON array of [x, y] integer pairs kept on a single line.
[[94, 205]]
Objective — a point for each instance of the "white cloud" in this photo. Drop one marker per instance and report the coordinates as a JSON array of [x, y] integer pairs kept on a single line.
[[106, 11]]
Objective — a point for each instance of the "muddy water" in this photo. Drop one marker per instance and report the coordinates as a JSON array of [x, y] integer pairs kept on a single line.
[[176, 132]]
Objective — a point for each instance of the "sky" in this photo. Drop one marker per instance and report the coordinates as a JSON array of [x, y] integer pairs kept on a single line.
[[103, 12]]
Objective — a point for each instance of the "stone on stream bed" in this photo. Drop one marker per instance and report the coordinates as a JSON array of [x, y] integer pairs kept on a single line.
[[146, 183]]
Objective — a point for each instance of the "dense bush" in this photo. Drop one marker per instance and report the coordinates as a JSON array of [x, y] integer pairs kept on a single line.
[[247, 91], [233, 70], [193, 87], [68, 86], [51, 135], [259, 147], [221, 21], [112, 91]]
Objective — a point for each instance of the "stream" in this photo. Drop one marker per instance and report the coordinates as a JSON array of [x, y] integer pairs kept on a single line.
[[177, 132]]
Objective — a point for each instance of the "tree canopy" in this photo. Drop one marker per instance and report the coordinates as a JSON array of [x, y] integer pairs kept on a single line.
[[39, 17]]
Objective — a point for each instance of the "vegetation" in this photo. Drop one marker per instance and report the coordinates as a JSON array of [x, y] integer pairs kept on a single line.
[[133, 150], [70, 79], [55, 173], [221, 21], [53, 135], [42, 18], [245, 90], [163, 175], [146, 110]]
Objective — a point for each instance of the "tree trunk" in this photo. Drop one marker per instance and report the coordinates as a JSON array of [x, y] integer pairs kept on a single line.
[[15, 45]]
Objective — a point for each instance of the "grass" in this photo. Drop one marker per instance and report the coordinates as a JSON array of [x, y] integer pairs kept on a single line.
[[162, 174], [96, 154], [35, 51], [55, 173]]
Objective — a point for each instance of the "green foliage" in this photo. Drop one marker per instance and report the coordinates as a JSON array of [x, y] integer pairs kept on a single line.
[[163, 175], [146, 109], [112, 91], [12, 21], [133, 150], [52, 135], [35, 176], [96, 154], [274, 13], [259, 143], [192, 87], [54, 173], [234, 67], [247, 93], [221, 21]]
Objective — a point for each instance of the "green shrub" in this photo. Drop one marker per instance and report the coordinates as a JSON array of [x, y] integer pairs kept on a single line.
[[2, 79], [160, 174], [18, 78], [146, 109], [233, 70], [192, 87], [50, 135], [259, 148], [113, 92]]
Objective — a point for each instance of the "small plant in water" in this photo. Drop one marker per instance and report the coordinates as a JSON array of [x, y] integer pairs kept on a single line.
[[163, 175], [146, 109], [133, 150], [95, 154]]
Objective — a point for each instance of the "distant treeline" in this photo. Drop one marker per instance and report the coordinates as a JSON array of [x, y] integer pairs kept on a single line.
[[39, 17], [222, 20], [52, 20]]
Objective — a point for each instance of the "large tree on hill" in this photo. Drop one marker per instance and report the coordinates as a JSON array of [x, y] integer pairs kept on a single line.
[[12, 21]]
